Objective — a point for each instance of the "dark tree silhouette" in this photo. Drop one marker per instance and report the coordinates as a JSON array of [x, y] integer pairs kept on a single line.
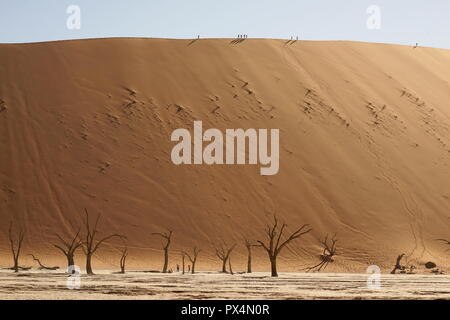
[[329, 250], [398, 266], [123, 259], [192, 258], [15, 248], [183, 256], [249, 245], [168, 237], [90, 244], [229, 266], [68, 248], [275, 245], [223, 253], [41, 266]]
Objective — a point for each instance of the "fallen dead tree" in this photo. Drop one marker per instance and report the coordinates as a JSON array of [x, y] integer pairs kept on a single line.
[[41, 266], [398, 266], [19, 268], [329, 250]]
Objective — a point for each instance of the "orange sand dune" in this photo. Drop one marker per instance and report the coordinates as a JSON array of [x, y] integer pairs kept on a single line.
[[364, 147]]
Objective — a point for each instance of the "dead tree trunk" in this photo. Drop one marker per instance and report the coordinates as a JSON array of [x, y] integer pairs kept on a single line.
[[70, 260], [229, 266], [275, 245], [89, 263], [90, 244], [123, 259], [249, 245], [398, 266], [192, 258], [223, 253], [168, 237], [182, 261], [68, 248], [15, 251]]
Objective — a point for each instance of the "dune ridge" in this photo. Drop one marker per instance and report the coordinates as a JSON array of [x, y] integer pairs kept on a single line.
[[364, 147]]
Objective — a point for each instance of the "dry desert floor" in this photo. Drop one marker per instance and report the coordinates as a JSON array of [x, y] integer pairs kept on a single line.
[[142, 285]]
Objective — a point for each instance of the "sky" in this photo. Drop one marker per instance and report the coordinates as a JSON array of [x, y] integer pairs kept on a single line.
[[392, 21]]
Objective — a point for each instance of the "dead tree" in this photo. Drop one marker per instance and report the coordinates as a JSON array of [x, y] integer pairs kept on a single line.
[[329, 250], [229, 266], [168, 237], [68, 248], [249, 245], [15, 248], [398, 266], [223, 253], [183, 255], [41, 266], [192, 258], [90, 244], [275, 245], [123, 259]]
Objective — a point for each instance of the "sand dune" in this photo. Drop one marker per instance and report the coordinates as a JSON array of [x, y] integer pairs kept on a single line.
[[364, 146]]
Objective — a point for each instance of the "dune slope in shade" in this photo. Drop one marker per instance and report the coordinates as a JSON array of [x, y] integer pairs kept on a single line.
[[364, 146]]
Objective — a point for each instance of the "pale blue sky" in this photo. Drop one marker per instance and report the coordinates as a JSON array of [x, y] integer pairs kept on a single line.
[[402, 21]]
